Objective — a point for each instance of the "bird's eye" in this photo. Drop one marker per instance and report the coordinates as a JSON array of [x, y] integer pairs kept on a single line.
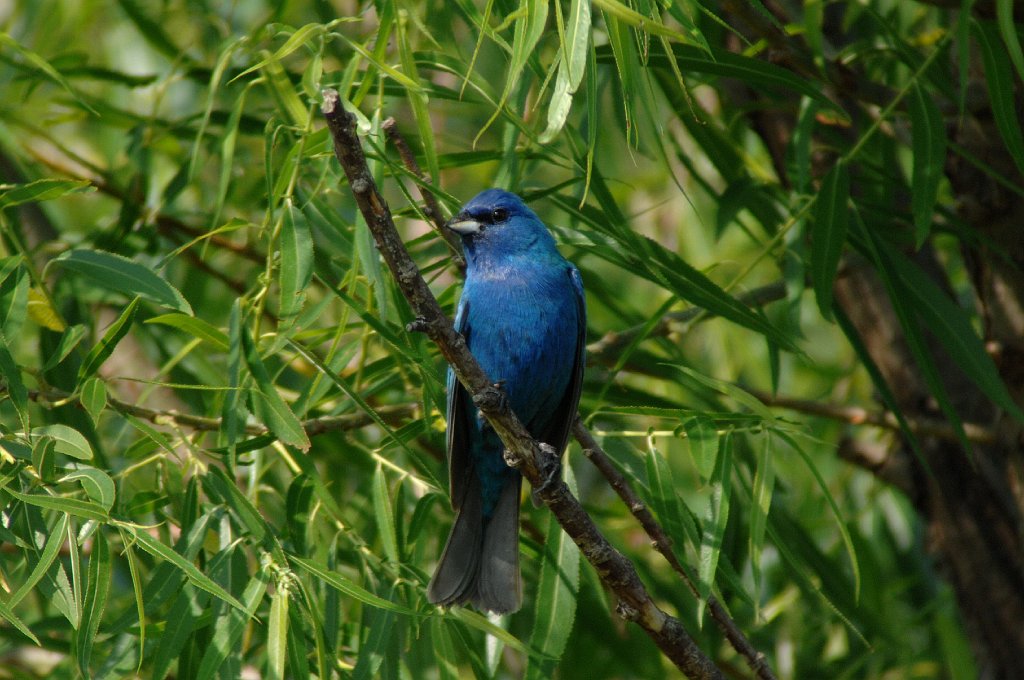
[[499, 215]]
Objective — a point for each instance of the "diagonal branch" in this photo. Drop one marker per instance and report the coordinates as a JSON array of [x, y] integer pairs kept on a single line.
[[522, 451], [663, 544]]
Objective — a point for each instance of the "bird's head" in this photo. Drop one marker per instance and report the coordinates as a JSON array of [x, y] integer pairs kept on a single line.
[[497, 223]]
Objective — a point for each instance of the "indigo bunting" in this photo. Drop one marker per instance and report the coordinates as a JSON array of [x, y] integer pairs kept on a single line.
[[523, 316]]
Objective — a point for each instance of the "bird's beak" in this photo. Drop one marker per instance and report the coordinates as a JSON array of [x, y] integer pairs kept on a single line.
[[464, 225]]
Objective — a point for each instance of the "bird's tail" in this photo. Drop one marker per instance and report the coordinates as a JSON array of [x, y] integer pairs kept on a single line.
[[480, 562]]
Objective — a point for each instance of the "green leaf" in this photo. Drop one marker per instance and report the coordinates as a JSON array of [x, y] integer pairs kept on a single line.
[[97, 588], [702, 435], [828, 234], [760, 503], [296, 245], [153, 31], [650, 259], [231, 411], [929, 146], [217, 482], [14, 293], [7, 613], [347, 587], [277, 633], [444, 650], [40, 190], [229, 139], [665, 499], [97, 484], [571, 66], [36, 62], [69, 441], [297, 39], [557, 595], [69, 339], [1008, 30], [228, 628], [728, 389], [951, 325], [195, 327], [105, 347], [271, 409], [999, 78], [121, 275], [480, 622], [174, 638], [715, 521], [844, 532], [44, 451], [94, 398], [51, 549], [384, 514], [630, 16], [165, 553], [298, 505], [71, 506], [15, 388]]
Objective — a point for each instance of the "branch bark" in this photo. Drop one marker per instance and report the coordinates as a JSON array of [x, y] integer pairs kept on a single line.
[[522, 451]]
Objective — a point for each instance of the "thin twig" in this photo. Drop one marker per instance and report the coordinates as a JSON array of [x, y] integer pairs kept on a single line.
[[610, 346], [313, 426], [522, 451], [855, 415], [663, 544], [430, 206]]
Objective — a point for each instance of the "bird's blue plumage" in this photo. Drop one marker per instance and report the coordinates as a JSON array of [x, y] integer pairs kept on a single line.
[[523, 316]]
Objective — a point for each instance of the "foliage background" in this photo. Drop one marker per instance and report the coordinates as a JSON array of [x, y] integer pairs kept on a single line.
[[165, 513]]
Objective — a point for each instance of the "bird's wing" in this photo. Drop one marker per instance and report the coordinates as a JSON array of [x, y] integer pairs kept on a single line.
[[560, 427], [460, 463]]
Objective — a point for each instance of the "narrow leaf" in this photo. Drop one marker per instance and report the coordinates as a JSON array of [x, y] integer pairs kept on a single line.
[[347, 587], [384, 514], [277, 633], [97, 484], [13, 383], [828, 234], [715, 521], [163, 552], [40, 190], [296, 244], [69, 441], [929, 146], [97, 588], [105, 347], [270, 407], [999, 78], [557, 594], [119, 274], [195, 327]]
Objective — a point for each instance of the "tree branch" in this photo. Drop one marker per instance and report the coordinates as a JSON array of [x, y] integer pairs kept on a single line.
[[430, 206], [312, 426], [663, 544], [522, 451], [855, 415]]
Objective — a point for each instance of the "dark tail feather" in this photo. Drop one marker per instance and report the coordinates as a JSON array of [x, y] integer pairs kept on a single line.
[[454, 580], [481, 564], [498, 588]]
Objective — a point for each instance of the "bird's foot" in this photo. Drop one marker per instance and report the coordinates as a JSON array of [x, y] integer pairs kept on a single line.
[[549, 463], [492, 399], [417, 325]]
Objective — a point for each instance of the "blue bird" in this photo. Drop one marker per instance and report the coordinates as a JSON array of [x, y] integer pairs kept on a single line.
[[523, 316]]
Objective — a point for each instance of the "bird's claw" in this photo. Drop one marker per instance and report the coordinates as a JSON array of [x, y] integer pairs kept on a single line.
[[493, 399], [417, 325], [549, 464]]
